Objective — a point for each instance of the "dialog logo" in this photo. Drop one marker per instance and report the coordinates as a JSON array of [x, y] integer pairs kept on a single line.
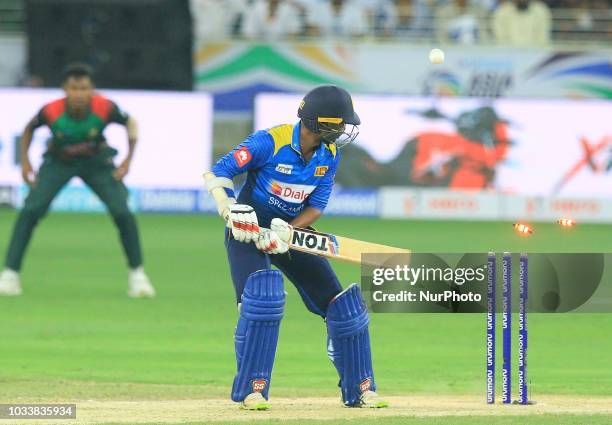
[[295, 193], [276, 189]]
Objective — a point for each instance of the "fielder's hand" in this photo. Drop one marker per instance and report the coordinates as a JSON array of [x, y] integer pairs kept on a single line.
[[122, 170], [29, 176], [243, 222], [271, 243]]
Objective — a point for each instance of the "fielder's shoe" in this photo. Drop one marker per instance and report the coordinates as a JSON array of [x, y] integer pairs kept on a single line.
[[255, 401], [139, 285], [9, 283], [372, 400]]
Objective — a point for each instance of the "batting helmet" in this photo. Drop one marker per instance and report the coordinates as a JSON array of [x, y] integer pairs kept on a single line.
[[328, 111]]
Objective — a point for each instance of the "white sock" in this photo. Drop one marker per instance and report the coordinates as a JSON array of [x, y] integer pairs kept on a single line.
[[10, 272], [137, 270]]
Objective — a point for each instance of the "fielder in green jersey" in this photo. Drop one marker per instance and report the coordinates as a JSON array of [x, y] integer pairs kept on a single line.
[[77, 149]]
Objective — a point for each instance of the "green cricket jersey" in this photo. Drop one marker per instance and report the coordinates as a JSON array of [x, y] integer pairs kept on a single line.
[[82, 137]]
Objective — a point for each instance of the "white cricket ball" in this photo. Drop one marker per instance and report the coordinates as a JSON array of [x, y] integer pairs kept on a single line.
[[436, 56]]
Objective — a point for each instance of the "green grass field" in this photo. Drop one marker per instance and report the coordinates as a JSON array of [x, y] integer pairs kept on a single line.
[[74, 334]]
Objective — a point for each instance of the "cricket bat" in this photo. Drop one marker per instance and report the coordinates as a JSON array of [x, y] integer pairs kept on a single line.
[[323, 244]]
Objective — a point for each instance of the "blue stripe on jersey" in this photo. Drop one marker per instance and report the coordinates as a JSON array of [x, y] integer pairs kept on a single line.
[[279, 182]]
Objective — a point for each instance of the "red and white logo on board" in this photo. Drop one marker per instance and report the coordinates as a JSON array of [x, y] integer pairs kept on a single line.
[[365, 385], [242, 156], [259, 385]]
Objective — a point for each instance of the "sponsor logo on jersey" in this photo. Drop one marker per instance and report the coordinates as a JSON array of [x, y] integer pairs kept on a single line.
[[291, 192], [292, 209], [365, 385], [284, 168], [258, 385], [242, 156], [320, 171]]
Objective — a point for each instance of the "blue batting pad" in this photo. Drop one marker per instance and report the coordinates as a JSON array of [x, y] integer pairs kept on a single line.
[[348, 344], [263, 302]]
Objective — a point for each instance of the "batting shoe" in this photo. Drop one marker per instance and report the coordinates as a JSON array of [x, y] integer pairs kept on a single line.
[[372, 400], [9, 283], [139, 285], [255, 401]]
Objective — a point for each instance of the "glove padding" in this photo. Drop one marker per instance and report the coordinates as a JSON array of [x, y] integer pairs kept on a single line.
[[270, 243], [282, 229], [243, 222]]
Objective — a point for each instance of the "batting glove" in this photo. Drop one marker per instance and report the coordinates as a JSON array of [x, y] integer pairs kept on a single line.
[[270, 243], [282, 229], [243, 222]]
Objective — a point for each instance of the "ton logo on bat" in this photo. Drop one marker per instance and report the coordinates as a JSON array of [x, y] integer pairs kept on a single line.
[[311, 241]]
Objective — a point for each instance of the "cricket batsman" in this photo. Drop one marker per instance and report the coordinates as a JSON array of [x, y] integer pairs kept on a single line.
[[77, 149], [290, 173]]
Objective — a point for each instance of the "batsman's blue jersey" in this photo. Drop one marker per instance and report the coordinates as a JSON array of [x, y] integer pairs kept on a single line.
[[279, 181]]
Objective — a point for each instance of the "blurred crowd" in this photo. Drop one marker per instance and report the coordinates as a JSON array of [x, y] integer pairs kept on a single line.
[[508, 22]]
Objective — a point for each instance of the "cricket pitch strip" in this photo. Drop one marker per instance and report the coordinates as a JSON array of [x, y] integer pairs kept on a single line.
[[319, 408]]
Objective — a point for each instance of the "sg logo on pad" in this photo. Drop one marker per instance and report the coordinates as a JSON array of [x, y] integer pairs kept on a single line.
[[259, 385], [365, 385]]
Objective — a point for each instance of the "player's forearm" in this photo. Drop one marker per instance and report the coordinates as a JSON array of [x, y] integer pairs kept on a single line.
[[132, 132], [222, 191], [307, 217], [26, 141]]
